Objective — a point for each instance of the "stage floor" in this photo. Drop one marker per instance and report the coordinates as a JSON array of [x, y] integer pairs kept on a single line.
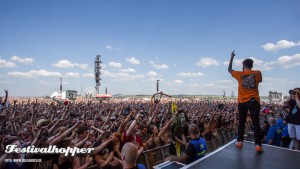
[[247, 158]]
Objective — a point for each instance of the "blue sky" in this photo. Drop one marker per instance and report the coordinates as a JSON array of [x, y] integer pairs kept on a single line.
[[185, 44]]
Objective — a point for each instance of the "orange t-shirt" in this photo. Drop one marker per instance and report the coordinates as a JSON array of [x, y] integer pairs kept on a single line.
[[248, 84]]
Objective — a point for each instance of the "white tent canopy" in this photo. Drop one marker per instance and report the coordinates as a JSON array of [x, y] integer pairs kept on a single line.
[[56, 95]]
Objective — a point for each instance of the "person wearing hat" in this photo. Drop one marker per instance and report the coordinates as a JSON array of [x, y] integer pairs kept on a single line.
[[248, 99]]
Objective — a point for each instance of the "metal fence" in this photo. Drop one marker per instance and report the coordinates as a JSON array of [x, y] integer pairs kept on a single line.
[[219, 138], [155, 156]]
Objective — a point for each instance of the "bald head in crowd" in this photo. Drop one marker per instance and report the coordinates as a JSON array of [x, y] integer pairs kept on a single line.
[[272, 121], [129, 155], [194, 130]]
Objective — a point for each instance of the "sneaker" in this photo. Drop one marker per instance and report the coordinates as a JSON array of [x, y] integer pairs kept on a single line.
[[259, 149], [239, 144]]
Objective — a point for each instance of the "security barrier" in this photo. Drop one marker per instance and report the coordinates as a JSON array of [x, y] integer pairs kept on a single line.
[[157, 155], [219, 138]]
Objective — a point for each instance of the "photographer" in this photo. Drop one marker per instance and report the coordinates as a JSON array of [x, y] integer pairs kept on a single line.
[[293, 103]]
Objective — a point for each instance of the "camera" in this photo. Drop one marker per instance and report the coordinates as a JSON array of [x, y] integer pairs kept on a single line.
[[292, 92]]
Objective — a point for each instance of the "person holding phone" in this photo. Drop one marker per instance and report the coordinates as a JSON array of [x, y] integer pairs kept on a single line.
[[248, 99]]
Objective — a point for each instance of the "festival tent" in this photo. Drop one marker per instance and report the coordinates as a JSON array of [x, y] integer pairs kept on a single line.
[[56, 95], [103, 96]]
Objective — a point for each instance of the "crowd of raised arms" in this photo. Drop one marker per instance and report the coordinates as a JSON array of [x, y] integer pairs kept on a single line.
[[108, 125]]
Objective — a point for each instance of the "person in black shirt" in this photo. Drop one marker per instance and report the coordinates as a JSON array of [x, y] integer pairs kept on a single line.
[[196, 148], [293, 103]]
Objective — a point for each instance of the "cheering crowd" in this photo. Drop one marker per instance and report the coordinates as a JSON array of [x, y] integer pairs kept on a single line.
[[109, 127]]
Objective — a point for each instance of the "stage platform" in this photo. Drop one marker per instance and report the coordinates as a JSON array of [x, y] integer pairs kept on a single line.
[[231, 157]]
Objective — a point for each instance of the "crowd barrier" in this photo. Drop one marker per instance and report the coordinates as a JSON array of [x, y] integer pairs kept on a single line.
[[155, 156], [220, 137]]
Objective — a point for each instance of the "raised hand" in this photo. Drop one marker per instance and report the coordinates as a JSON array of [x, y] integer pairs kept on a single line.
[[1, 139], [79, 123], [62, 130], [89, 160], [232, 54]]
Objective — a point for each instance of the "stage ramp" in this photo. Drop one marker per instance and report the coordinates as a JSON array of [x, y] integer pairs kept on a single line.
[[230, 157]]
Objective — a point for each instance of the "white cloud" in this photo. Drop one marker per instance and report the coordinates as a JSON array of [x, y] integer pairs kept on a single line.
[[151, 73], [158, 66], [133, 60], [20, 74], [44, 72], [22, 60], [91, 75], [282, 44], [178, 81], [73, 74], [190, 74], [109, 47], [67, 64], [115, 64], [82, 66], [4, 63], [129, 70], [33, 73], [64, 64], [289, 61], [208, 61]]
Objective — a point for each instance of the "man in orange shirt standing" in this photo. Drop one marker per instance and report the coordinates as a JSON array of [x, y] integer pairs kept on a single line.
[[248, 99]]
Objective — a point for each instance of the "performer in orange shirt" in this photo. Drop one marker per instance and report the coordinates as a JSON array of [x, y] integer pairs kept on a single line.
[[248, 99]]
